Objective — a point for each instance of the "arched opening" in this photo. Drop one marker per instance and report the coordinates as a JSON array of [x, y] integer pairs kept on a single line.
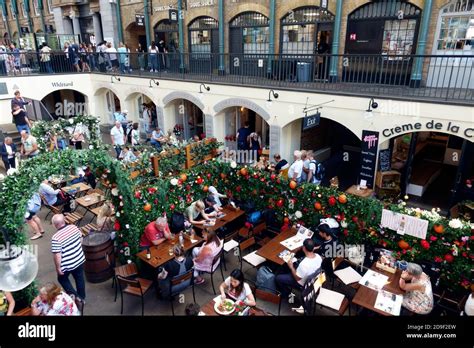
[[143, 110], [232, 119], [107, 104], [135, 34], [185, 119], [168, 32], [385, 28], [66, 103], [434, 168], [332, 144], [249, 35], [203, 44], [454, 36]]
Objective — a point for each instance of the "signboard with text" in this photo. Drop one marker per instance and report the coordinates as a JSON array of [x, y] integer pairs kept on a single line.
[[311, 121], [140, 20], [173, 16], [368, 157]]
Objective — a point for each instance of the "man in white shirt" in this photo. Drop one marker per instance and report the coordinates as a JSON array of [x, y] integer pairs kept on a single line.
[[294, 173], [298, 276], [117, 136]]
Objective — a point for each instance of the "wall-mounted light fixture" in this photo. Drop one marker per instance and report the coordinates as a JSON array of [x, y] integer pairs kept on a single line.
[[207, 88], [270, 93], [114, 77], [372, 105], [153, 81]]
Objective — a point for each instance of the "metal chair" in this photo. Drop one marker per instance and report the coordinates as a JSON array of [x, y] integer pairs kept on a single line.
[[266, 294], [175, 281], [136, 287], [128, 270], [230, 244], [216, 262], [252, 258]]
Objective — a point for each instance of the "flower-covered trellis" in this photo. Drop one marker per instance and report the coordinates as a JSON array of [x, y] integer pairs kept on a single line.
[[63, 128]]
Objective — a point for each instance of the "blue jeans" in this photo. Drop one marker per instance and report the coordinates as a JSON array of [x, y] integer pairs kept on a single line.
[[118, 150], [23, 127], [153, 62], [78, 275], [285, 282], [47, 66], [156, 144], [123, 68]]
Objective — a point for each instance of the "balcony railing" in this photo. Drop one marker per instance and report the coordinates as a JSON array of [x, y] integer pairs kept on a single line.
[[449, 78]]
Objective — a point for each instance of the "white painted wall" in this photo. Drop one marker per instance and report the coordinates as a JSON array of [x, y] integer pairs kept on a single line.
[[346, 110]]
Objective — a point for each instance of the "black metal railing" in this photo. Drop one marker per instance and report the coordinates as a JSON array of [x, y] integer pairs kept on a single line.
[[432, 78]]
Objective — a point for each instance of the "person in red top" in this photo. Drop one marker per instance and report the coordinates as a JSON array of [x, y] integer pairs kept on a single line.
[[156, 232]]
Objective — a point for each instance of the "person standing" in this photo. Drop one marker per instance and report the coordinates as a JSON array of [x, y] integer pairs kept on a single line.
[[16, 58], [296, 169], [45, 58], [8, 151], [32, 220], [255, 143], [141, 57], [162, 52], [135, 135], [29, 146], [66, 246], [123, 57], [19, 100], [3, 60], [112, 52], [153, 57], [118, 137], [243, 137], [101, 57], [20, 119]]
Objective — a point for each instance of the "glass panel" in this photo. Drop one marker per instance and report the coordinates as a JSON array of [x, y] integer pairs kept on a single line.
[[398, 38]]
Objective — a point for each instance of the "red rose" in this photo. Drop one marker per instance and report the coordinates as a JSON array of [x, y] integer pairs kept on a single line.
[[355, 219], [248, 224], [117, 226], [332, 201], [433, 238], [449, 258], [155, 201], [208, 175], [238, 188], [464, 254], [273, 176], [172, 206], [125, 244], [138, 194], [346, 232], [438, 259], [424, 244]]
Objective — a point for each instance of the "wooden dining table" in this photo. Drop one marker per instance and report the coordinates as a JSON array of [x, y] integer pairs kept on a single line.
[[231, 214], [160, 254], [90, 200], [273, 248], [208, 310], [76, 190], [58, 182], [365, 297]]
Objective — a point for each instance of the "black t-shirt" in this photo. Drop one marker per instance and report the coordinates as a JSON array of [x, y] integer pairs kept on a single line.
[[280, 164], [172, 267], [19, 119]]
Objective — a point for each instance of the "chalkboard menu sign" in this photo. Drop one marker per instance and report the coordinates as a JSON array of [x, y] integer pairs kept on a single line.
[[370, 144], [384, 160]]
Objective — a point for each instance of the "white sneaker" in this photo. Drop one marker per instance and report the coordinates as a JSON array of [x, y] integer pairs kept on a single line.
[[151, 70]]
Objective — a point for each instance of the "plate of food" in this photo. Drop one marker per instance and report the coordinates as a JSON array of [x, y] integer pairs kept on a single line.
[[224, 307]]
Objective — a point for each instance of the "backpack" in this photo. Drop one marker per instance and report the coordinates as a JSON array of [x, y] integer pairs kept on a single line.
[[34, 204], [254, 217], [319, 172], [177, 222], [265, 279]]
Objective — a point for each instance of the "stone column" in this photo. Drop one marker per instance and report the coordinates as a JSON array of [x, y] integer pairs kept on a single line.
[[76, 25]]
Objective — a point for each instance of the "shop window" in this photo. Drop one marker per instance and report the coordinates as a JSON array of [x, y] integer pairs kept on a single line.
[[35, 6], [200, 31], [252, 27], [456, 33], [398, 37], [299, 29], [50, 6], [12, 11]]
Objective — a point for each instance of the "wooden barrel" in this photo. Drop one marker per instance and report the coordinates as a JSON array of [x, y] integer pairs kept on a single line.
[[99, 253]]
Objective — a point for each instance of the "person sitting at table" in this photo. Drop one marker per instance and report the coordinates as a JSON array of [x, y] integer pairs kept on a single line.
[[195, 213], [106, 217], [176, 267], [326, 245], [237, 289], [157, 138], [7, 303], [127, 156], [216, 195], [418, 296], [80, 176], [211, 208], [54, 197], [52, 300], [90, 177], [156, 232], [298, 274], [204, 255]]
